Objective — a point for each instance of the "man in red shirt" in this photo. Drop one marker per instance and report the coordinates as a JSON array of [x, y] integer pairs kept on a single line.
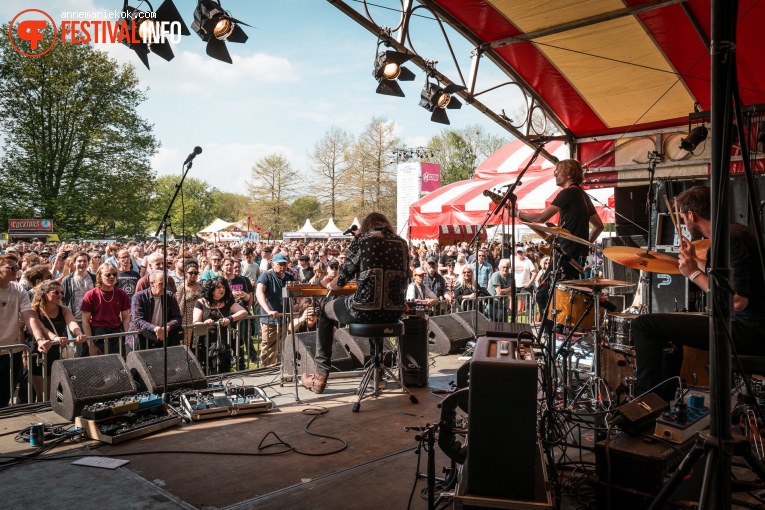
[[105, 310]]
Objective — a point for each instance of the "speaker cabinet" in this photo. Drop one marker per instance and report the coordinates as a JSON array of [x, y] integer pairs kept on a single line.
[[79, 382], [502, 413], [449, 334], [414, 352], [305, 344], [360, 350], [183, 369]]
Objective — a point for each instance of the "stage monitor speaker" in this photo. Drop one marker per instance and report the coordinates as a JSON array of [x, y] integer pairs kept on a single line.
[[631, 216], [183, 370], [79, 382], [502, 432], [305, 344], [415, 358], [449, 334], [360, 348]]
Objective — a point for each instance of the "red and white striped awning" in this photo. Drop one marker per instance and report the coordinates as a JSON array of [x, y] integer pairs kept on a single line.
[[464, 202]]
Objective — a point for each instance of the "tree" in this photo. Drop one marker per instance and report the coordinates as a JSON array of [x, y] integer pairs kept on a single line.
[[230, 206], [459, 151], [75, 149], [372, 171], [329, 161], [272, 187], [303, 208], [192, 210]]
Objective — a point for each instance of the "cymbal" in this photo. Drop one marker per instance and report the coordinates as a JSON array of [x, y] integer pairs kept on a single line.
[[640, 258], [595, 282], [702, 247], [545, 231]]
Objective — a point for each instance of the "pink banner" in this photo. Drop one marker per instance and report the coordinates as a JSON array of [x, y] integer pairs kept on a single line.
[[431, 177]]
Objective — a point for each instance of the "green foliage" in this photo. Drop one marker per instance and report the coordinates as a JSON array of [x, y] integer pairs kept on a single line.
[[303, 208], [459, 151], [273, 185], [75, 150], [230, 206], [196, 200]]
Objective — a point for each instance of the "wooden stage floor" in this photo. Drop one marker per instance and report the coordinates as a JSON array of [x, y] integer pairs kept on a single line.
[[217, 463]]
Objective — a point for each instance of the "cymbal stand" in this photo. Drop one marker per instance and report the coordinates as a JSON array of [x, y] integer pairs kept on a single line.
[[550, 307], [595, 381]]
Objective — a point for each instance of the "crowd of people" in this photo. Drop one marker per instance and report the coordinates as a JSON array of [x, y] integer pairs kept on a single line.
[[67, 293]]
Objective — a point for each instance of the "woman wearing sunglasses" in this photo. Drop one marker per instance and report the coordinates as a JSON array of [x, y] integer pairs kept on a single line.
[[188, 294], [55, 320], [105, 310]]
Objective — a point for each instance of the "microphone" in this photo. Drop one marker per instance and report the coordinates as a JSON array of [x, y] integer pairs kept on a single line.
[[350, 230], [568, 258], [190, 158]]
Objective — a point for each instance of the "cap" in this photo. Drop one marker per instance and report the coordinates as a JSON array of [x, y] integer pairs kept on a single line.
[[304, 258], [279, 258], [520, 250], [334, 262], [431, 259], [419, 270]]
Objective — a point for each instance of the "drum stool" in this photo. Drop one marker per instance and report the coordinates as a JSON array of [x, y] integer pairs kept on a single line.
[[377, 369]]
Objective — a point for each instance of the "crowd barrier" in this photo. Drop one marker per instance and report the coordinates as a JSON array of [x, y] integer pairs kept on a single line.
[[497, 308], [7, 350]]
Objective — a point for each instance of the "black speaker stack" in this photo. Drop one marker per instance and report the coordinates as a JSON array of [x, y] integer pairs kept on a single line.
[[305, 345], [183, 369], [449, 334]]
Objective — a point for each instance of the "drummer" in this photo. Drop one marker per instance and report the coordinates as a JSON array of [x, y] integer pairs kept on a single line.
[[651, 333], [576, 214]]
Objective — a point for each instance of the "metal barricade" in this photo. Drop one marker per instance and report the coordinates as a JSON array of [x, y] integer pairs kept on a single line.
[[121, 344], [31, 358]]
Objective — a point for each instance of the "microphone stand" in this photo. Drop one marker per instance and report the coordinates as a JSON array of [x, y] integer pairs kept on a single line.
[[653, 158], [163, 224]]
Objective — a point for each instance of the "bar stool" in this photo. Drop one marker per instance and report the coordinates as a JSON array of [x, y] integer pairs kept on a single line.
[[377, 369]]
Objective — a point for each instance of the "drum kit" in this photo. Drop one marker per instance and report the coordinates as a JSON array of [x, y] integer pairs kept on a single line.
[[575, 304]]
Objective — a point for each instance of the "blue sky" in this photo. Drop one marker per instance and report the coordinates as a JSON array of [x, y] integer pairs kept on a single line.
[[306, 67]]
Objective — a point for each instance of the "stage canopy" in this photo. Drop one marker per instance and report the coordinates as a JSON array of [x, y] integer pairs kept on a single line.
[[463, 204]]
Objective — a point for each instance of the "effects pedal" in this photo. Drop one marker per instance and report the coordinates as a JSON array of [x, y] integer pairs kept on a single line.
[[103, 410], [684, 421], [136, 422]]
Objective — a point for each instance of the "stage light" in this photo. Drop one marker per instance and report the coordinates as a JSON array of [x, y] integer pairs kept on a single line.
[[436, 99], [148, 29], [694, 138], [216, 26], [388, 69]]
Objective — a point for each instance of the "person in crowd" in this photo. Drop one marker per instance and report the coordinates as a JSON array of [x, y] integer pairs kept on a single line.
[[449, 255], [319, 272], [451, 277], [466, 289], [378, 259], [500, 285], [250, 269], [147, 314], [305, 271], [155, 262], [542, 286], [188, 294], [105, 310], [128, 277], [239, 285], [14, 304], [305, 318], [95, 261], [215, 259], [77, 284], [217, 307], [460, 263], [269, 295], [576, 214], [485, 269], [418, 292], [435, 282], [34, 276], [55, 322], [657, 368], [178, 275], [265, 259], [525, 274]]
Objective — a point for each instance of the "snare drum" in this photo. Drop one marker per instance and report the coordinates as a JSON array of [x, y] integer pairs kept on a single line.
[[571, 305], [619, 327]]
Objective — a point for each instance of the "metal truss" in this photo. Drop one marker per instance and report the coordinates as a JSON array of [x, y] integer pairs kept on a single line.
[[536, 119]]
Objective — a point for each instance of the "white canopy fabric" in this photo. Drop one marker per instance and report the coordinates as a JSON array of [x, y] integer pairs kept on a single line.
[[215, 226], [307, 227], [331, 228]]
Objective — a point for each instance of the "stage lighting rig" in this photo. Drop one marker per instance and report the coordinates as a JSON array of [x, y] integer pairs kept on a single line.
[[149, 28], [694, 138], [389, 68], [436, 99], [216, 26]]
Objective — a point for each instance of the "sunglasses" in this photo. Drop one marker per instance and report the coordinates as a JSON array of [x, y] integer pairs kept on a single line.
[[57, 292], [11, 268], [110, 275], [192, 273]]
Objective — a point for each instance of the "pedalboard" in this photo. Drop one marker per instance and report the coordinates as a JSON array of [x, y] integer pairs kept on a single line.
[[131, 403], [218, 402], [127, 420]]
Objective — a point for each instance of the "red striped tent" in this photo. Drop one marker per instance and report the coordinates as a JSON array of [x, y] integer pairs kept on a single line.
[[463, 204]]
